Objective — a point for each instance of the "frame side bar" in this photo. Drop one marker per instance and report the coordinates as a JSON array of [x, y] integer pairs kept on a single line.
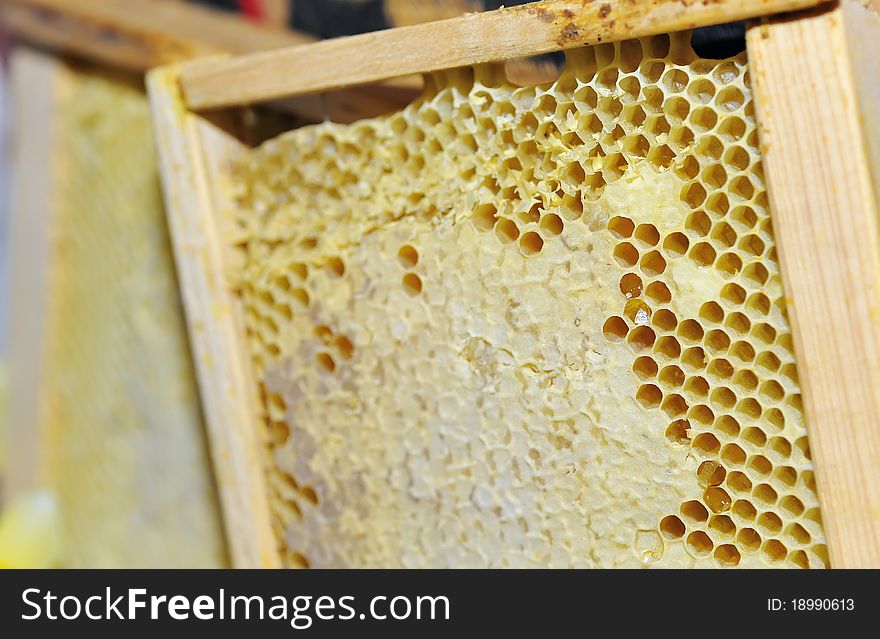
[[37, 87], [827, 226], [190, 150]]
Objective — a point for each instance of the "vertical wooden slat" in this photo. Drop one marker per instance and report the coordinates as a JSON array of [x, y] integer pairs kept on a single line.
[[192, 150], [815, 94], [36, 82]]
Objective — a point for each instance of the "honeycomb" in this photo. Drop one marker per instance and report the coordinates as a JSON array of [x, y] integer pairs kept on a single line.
[[529, 326], [124, 448]]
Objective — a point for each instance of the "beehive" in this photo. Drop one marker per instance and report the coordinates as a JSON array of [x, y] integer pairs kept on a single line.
[[537, 326], [121, 446]]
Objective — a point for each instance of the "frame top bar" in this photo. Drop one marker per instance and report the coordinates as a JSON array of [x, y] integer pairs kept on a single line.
[[526, 30]]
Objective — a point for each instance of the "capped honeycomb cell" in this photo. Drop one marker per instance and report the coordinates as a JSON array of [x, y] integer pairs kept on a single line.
[[566, 340]]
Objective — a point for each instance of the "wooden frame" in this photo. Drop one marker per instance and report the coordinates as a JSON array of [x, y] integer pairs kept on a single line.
[[189, 166], [821, 157], [36, 83], [824, 181]]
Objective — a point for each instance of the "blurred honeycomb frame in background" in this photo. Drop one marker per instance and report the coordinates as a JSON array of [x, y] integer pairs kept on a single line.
[[105, 420], [573, 291]]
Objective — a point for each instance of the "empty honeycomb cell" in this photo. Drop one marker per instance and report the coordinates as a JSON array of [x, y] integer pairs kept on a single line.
[[676, 244], [531, 243], [765, 494], [681, 137], [744, 510], [326, 362], [733, 455], [507, 230], [790, 372], [768, 361], [674, 405], [702, 254], [668, 347], [344, 347], [412, 284], [641, 338], [336, 267], [786, 475], [665, 320], [699, 543], [647, 234], [630, 243], [676, 110], [720, 369], [672, 527], [644, 367], [739, 482], [748, 539], [795, 534], [649, 395], [742, 351], [691, 331], [722, 398], [657, 125], [661, 156], [694, 194], [799, 558], [652, 264], [615, 329], [694, 358], [658, 292], [712, 312], [745, 381], [792, 505], [705, 119], [706, 444], [301, 296], [730, 264], [637, 145], [732, 128], [408, 256], [533, 214], [730, 98], [755, 436], [671, 376], [552, 224], [717, 342], [769, 522], [753, 245], [695, 512], [774, 551], [727, 425], [733, 294], [485, 217], [697, 387]]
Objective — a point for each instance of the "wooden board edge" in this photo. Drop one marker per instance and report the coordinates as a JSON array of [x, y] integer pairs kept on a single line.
[[138, 36], [189, 150], [37, 82], [491, 36], [827, 228]]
